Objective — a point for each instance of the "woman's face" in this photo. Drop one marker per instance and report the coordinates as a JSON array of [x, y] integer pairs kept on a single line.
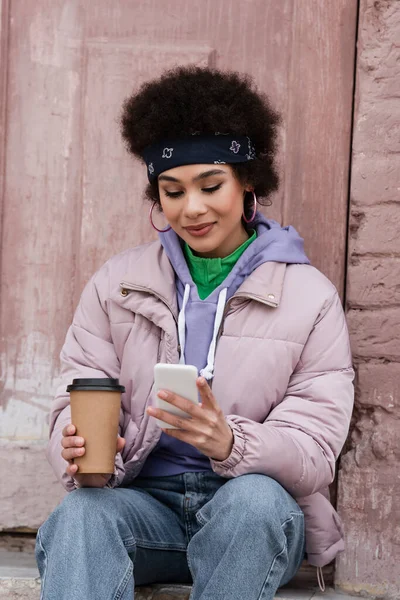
[[204, 206]]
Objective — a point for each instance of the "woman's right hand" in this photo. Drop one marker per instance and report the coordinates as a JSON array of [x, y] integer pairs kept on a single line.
[[73, 447]]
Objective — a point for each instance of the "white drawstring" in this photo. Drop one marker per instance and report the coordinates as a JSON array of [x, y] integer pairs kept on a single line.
[[320, 577], [208, 371], [182, 324]]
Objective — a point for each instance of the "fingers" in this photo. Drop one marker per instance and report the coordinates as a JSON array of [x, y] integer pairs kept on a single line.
[[72, 442], [120, 444], [196, 413], [184, 404], [71, 453], [73, 446], [71, 470], [207, 397], [180, 434], [182, 423], [69, 430]]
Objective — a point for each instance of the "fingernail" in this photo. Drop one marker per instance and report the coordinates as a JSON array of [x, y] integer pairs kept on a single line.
[[150, 411], [163, 395], [80, 441], [202, 381]]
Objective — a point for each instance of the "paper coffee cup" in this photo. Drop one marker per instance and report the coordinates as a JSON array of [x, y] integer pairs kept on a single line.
[[95, 410]]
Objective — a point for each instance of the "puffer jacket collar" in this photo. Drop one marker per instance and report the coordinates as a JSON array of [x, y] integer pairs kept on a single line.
[[153, 274]]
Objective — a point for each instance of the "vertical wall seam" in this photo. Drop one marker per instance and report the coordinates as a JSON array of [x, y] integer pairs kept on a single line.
[[286, 122], [4, 73], [347, 251], [347, 235], [76, 291]]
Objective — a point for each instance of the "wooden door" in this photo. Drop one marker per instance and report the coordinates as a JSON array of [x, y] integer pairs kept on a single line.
[[71, 196]]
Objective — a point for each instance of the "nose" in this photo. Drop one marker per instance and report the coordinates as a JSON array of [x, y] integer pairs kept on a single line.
[[194, 205]]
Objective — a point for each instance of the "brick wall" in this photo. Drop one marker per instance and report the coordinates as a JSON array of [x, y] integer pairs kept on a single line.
[[369, 479]]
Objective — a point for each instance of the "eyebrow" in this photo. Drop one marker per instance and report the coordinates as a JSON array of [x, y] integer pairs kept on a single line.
[[197, 178]]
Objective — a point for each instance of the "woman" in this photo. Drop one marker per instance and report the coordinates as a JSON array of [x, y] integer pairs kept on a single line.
[[237, 495]]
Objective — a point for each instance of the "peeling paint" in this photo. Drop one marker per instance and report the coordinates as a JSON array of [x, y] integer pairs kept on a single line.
[[44, 46]]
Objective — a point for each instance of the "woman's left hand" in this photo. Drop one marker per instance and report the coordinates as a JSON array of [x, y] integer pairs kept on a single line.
[[206, 429]]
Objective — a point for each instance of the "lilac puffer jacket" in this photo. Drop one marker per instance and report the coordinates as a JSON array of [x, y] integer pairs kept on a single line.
[[283, 375]]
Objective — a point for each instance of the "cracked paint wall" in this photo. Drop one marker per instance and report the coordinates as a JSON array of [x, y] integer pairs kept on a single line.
[[71, 196], [369, 478]]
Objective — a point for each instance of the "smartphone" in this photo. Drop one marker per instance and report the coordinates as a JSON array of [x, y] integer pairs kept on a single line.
[[179, 379]]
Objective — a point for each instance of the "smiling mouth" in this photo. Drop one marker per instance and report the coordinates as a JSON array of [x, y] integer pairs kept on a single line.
[[199, 230]]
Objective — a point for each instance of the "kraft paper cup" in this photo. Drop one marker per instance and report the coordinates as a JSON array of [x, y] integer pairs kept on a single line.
[[95, 410]]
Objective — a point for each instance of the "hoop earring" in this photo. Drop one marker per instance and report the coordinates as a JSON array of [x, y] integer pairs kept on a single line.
[[254, 210], [151, 221]]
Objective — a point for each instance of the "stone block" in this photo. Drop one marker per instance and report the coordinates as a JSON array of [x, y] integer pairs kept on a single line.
[[375, 333], [373, 282], [19, 588], [375, 439], [368, 504], [25, 473], [376, 139], [29, 589], [377, 128], [375, 178], [378, 386], [375, 229], [378, 73], [379, 20], [19, 578]]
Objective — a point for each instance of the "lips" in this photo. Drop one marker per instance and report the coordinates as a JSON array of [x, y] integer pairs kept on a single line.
[[199, 230], [198, 227]]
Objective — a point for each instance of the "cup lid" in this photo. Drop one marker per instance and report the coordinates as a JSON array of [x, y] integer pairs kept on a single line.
[[103, 384]]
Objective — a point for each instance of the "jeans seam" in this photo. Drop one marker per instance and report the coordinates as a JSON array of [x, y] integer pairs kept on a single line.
[[200, 518], [293, 514], [129, 542], [191, 572], [43, 579], [269, 572], [124, 582], [159, 545]]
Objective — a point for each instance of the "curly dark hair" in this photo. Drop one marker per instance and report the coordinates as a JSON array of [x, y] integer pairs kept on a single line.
[[192, 99]]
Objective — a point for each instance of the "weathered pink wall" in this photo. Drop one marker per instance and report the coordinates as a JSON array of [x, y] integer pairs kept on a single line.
[[72, 196], [369, 482]]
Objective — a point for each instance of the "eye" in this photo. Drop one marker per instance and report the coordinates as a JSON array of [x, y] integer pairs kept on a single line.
[[211, 190], [173, 194]]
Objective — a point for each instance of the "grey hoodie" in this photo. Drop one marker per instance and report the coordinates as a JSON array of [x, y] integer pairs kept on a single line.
[[199, 322]]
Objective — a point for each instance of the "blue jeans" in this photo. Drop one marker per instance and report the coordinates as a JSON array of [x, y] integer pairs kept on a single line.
[[233, 538]]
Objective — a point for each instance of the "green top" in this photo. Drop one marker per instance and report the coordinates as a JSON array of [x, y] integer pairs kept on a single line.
[[209, 273]]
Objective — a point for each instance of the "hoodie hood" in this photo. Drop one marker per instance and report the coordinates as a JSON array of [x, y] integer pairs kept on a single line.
[[199, 320], [273, 243]]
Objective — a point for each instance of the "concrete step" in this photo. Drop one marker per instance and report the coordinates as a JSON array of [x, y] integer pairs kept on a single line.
[[19, 580]]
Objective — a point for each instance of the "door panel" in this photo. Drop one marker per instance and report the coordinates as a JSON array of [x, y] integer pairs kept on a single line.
[[72, 196]]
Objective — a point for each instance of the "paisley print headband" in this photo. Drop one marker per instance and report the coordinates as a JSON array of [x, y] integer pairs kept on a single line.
[[217, 149]]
